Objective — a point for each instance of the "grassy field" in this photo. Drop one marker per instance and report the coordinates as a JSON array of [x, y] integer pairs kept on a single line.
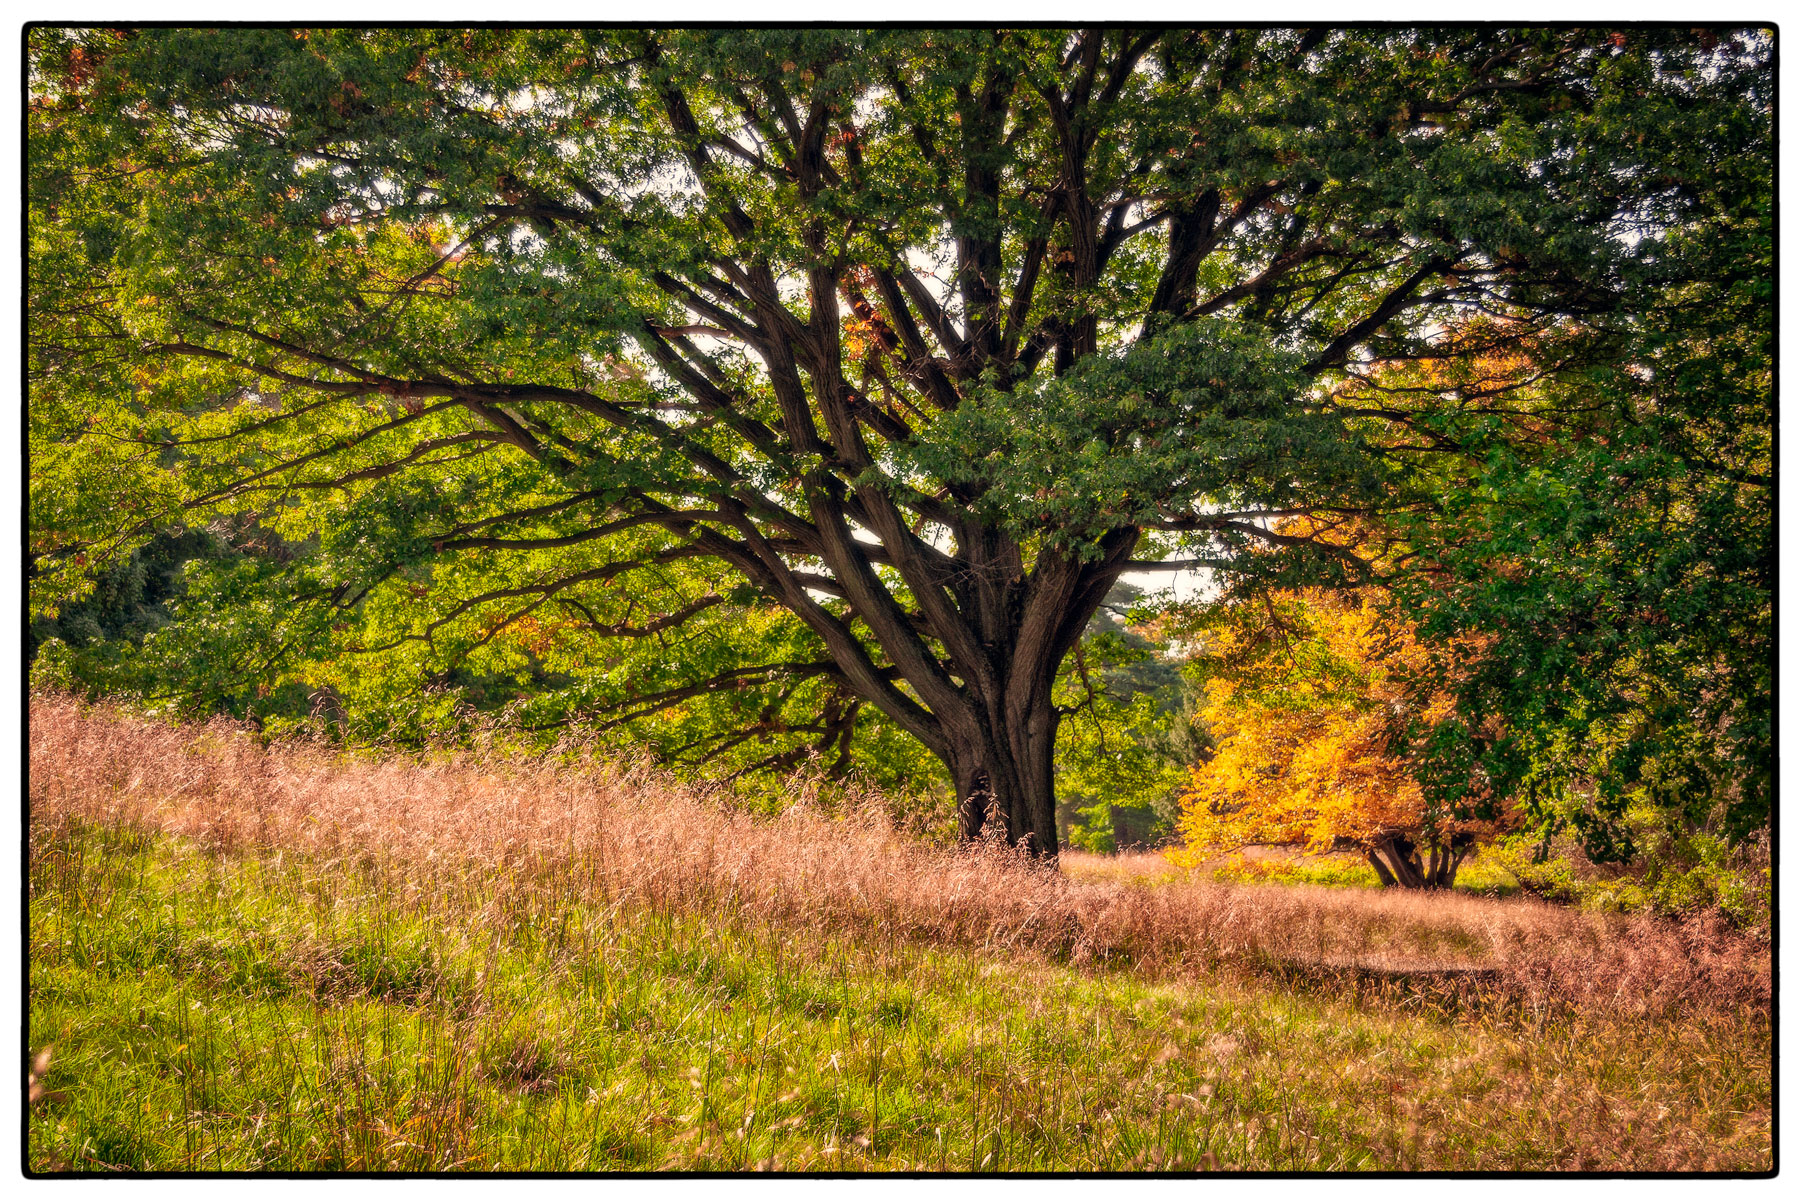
[[287, 959]]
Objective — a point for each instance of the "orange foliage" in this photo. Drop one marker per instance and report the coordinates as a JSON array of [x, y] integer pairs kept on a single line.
[[1301, 705]]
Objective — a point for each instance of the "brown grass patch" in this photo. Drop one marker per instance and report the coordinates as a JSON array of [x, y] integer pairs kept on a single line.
[[627, 833]]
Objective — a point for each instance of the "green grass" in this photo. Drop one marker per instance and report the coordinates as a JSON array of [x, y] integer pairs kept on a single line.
[[1483, 875], [265, 1010]]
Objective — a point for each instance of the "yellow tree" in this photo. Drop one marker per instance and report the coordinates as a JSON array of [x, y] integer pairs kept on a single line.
[[1304, 701]]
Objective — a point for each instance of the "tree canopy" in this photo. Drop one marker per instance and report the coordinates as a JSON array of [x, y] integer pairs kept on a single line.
[[811, 389]]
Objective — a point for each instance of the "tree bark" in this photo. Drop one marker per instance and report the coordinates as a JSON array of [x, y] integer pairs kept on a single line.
[[1005, 770], [1006, 782]]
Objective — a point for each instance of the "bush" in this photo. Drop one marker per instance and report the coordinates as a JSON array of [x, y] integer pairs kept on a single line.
[[1677, 875]]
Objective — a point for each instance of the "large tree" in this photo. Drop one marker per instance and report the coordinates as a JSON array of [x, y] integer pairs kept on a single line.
[[924, 337]]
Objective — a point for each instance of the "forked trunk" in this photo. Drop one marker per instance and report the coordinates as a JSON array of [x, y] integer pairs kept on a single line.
[[1395, 857], [993, 720]]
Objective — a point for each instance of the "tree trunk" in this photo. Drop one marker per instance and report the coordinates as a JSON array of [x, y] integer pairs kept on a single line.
[[1403, 867], [1381, 871], [1006, 783], [985, 705]]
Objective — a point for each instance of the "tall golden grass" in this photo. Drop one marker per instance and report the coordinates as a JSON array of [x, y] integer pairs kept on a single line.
[[626, 832]]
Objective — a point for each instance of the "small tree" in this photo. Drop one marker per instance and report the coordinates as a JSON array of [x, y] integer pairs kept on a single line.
[[1304, 704]]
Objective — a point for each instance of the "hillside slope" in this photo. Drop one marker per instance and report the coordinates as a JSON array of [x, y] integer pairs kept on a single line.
[[288, 958]]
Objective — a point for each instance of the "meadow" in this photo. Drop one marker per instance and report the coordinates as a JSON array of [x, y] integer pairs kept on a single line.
[[290, 957]]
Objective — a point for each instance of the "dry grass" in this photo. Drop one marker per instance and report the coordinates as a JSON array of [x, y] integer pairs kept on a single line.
[[628, 834], [1128, 866], [289, 958]]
